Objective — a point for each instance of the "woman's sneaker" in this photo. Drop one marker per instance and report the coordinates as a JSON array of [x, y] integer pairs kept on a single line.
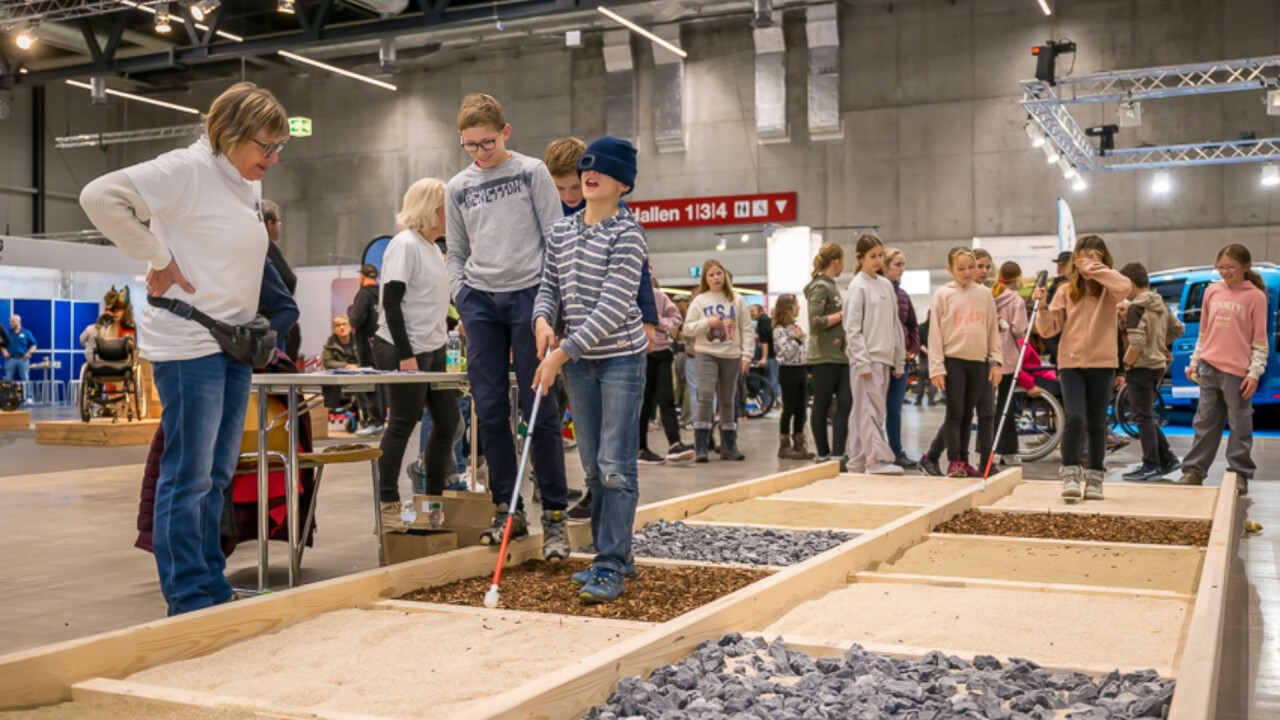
[[1009, 460], [649, 457], [679, 453], [1142, 473], [605, 585], [1093, 484], [958, 469], [1070, 476], [581, 511], [929, 466]]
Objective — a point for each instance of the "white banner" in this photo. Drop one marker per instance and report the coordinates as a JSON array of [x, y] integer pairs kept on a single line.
[[1066, 227]]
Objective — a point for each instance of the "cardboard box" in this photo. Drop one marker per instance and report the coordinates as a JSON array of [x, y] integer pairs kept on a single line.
[[402, 547], [467, 514]]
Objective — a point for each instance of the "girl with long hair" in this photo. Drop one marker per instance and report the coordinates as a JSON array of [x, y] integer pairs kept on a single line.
[[828, 364], [1229, 358], [895, 264], [723, 330], [1011, 314], [792, 348], [1083, 312], [876, 351]]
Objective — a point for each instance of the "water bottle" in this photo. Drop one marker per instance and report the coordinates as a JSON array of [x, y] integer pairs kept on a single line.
[[434, 508], [407, 513], [453, 353]]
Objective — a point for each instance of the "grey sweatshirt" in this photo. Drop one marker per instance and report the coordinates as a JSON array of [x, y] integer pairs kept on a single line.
[[872, 330], [497, 221]]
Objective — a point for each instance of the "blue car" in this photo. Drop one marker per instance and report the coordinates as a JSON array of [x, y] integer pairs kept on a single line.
[[1183, 290]]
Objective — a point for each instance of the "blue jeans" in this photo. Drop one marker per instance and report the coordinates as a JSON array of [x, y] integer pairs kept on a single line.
[[204, 403], [771, 369], [463, 446], [893, 412], [17, 366], [606, 397]]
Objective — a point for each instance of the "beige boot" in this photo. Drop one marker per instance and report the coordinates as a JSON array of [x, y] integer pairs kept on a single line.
[[1093, 485], [798, 446], [391, 520], [1070, 476], [784, 448]]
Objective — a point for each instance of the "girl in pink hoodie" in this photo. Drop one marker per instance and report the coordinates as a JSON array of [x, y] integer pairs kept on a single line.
[[1011, 312], [1231, 354]]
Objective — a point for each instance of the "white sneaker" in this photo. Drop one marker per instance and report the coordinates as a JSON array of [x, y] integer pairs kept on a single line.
[[365, 431], [1009, 460], [885, 469]]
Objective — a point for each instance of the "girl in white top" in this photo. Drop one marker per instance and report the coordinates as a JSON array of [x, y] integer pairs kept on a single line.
[[411, 336], [876, 348], [719, 323]]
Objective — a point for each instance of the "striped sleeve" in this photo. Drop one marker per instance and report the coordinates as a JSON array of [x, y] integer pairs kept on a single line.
[[547, 303], [619, 270]]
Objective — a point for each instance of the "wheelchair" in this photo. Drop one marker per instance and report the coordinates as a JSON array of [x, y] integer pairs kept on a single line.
[[110, 383]]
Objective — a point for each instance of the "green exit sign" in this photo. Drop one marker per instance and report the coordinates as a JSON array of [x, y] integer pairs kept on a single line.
[[299, 127]]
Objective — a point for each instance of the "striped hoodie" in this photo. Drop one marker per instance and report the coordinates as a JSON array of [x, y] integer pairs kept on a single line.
[[594, 273]]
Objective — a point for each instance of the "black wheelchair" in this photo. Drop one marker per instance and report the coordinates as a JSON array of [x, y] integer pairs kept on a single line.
[[110, 383]]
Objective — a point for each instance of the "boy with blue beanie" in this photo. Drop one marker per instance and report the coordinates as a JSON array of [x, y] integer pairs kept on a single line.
[[590, 277]]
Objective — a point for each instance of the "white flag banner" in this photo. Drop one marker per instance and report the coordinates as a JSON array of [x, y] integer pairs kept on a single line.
[[1066, 227]]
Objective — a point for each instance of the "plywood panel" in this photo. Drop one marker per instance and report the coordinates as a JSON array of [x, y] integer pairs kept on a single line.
[[804, 514], [1132, 500], [100, 432], [16, 420], [872, 488]]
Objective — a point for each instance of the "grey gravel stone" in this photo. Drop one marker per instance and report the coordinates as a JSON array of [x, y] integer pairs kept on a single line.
[[736, 678], [744, 545]]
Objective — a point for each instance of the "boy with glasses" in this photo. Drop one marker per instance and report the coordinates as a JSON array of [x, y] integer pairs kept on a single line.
[[499, 211]]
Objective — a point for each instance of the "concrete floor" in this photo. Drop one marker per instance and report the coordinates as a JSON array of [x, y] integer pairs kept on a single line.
[[69, 567]]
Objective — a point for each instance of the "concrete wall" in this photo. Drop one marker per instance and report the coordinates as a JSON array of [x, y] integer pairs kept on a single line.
[[933, 151]]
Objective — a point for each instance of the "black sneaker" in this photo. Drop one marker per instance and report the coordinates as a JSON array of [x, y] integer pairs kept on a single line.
[[1165, 469], [581, 511], [573, 494], [519, 527], [905, 462], [929, 467], [1142, 473], [680, 452], [649, 457]]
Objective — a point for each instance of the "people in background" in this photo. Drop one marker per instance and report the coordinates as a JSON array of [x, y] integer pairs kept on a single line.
[[895, 264], [340, 354], [828, 364], [1011, 314], [88, 336], [591, 277], [1230, 357], [206, 245], [923, 386], [363, 316], [719, 323], [791, 344], [17, 356], [658, 391], [271, 219], [964, 354], [768, 354], [1150, 328], [678, 363], [412, 336], [496, 244], [1083, 313], [1061, 265]]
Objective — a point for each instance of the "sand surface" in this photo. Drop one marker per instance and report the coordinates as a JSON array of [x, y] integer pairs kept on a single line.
[[1056, 629], [122, 709], [1144, 568], [862, 488], [389, 663], [1126, 499], [762, 511]]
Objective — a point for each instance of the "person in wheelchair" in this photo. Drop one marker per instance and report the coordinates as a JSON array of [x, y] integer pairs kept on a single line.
[[109, 379], [340, 353]]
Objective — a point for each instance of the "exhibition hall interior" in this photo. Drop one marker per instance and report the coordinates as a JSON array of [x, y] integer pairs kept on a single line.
[[702, 359]]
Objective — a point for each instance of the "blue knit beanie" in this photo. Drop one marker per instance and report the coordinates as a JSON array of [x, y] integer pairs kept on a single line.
[[611, 156]]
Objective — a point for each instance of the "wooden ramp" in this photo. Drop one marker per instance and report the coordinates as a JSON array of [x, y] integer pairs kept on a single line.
[[15, 420], [100, 432]]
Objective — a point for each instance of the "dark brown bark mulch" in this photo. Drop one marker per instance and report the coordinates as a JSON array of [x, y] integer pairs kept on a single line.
[[656, 594], [1075, 526]]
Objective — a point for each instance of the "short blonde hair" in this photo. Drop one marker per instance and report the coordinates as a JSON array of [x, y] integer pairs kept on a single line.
[[479, 110], [341, 319], [421, 201], [241, 112], [562, 156]]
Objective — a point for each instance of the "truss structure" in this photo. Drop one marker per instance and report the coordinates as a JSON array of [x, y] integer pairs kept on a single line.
[[127, 136], [19, 13], [1048, 106]]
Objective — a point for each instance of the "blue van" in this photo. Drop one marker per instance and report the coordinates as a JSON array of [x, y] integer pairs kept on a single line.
[[1183, 290]]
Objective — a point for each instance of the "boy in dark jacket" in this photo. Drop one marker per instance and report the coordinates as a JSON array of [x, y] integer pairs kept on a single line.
[[1150, 328]]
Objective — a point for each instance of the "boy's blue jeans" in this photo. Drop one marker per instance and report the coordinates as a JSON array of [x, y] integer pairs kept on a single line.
[[606, 397], [204, 403]]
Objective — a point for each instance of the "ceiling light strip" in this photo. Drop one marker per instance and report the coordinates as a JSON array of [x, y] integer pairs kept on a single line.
[[1044, 5], [338, 70], [640, 31], [139, 98]]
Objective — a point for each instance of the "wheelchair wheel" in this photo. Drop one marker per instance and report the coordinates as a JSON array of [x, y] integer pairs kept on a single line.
[[1124, 415], [139, 397], [759, 396], [86, 407], [1039, 422]]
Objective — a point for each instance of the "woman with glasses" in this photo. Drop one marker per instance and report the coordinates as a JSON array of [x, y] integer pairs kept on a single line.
[[206, 245]]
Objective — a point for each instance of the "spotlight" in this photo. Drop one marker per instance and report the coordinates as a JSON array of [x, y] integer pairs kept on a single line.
[[25, 39], [1160, 183], [1273, 102], [1046, 57], [1270, 175], [745, 237], [1068, 171], [720, 246], [1051, 154], [1130, 113], [285, 7], [204, 8], [1107, 133], [162, 20], [1079, 185], [1033, 132]]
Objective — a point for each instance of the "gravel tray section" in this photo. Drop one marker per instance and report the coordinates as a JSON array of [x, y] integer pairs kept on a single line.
[[653, 595], [1075, 526], [744, 545], [737, 677]]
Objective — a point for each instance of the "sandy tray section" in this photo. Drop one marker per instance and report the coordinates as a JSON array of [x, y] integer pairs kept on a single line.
[[1127, 499], [1048, 628], [1145, 568], [388, 663], [120, 708], [803, 514], [655, 594], [870, 488], [1075, 526]]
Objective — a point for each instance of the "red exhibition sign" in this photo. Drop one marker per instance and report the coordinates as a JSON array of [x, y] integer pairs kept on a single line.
[[718, 210]]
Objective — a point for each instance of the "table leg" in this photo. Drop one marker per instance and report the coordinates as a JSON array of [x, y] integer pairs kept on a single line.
[[475, 445], [291, 486], [263, 490]]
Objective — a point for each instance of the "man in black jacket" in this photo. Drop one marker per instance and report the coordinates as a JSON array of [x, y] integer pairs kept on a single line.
[[363, 315], [271, 218]]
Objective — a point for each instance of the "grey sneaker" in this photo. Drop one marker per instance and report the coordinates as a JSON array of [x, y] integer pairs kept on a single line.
[[1093, 485], [519, 527], [1070, 477], [555, 539]]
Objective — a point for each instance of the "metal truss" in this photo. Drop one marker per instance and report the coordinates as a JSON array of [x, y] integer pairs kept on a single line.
[[127, 136], [1047, 105], [19, 13]]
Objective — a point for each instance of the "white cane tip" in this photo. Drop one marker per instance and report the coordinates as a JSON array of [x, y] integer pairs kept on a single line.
[[491, 598]]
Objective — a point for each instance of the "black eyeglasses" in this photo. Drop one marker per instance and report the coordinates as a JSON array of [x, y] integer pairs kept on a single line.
[[269, 149], [485, 145]]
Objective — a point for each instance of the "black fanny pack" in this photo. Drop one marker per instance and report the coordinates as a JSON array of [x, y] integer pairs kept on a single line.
[[253, 343]]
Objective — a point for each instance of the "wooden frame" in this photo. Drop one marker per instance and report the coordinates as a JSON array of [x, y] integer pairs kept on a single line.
[[96, 665]]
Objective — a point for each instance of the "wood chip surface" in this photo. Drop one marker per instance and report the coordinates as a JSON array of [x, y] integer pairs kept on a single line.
[[1076, 526]]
